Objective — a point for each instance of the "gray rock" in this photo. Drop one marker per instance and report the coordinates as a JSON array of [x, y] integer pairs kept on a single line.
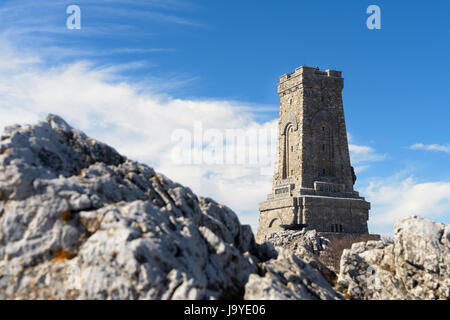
[[293, 270], [415, 266], [289, 277], [293, 240], [79, 221]]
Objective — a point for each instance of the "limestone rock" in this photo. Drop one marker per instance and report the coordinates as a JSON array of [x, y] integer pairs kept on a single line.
[[288, 278], [306, 245], [415, 266], [80, 221], [293, 240]]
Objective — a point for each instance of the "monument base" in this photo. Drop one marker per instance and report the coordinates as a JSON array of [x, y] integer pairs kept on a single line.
[[325, 214]]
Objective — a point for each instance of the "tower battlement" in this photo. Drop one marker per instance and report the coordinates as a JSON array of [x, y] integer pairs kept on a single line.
[[310, 77], [310, 71]]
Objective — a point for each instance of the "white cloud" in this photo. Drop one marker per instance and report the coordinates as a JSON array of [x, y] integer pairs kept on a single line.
[[138, 123], [359, 169], [360, 154], [398, 197], [431, 147]]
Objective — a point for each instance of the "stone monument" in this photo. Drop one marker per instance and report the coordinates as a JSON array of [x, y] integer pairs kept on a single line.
[[313, 182]]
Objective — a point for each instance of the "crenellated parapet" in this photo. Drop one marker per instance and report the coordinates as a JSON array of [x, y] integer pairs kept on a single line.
[[309, 77]]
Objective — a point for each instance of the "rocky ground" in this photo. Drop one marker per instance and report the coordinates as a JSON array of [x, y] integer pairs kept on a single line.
[[80, 221]]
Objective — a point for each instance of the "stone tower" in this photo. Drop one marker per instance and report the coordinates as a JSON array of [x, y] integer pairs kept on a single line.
[[313, 183]]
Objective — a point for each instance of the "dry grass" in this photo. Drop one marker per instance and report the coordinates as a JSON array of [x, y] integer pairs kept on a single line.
[[6, 150], [347, 295], [61, 255], [67, 215]]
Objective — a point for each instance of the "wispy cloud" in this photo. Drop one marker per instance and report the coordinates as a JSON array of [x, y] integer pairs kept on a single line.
[[360, 154], [41, 26], [138, 123], [145, 14], [51, 14], [159, 4], [401, 196], [431, 147], [136, 50]]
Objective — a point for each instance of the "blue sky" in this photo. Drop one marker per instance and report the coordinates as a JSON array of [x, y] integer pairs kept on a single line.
[[137, 70]]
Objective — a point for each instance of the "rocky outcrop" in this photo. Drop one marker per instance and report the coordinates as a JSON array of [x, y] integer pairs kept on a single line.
[[292, 240], [80, 221], [296, 272], [289, 277], [415, 266]]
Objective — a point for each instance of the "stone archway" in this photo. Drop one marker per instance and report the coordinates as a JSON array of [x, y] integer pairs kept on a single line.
[[289, 144], [274, 223]]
